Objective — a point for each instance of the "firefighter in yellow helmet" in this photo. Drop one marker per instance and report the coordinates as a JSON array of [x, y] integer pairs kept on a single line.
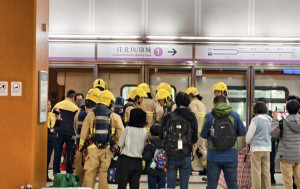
[[220, 88], [164, 85], [135, 99], [165, 101], [92, 98], [199, 109], [148, 105], [100, 133], [100, 84]]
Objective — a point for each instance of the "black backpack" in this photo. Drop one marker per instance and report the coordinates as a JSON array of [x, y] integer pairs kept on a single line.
[[177, 135], [223, 134]]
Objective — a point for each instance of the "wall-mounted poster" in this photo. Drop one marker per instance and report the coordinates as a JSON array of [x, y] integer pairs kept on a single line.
[[43, 96]]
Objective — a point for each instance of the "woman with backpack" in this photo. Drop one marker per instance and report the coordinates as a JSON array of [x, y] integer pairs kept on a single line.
[[132, 143], [155, 158], [259, 139]]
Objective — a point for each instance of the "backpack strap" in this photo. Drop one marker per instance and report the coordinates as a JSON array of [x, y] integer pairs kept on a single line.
[[281, 128], [269, 118]]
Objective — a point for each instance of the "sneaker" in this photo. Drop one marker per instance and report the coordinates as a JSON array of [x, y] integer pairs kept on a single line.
[[204, 179], [49, 180]]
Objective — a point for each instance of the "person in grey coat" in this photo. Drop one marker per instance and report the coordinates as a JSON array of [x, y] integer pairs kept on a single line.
[[289, 144]]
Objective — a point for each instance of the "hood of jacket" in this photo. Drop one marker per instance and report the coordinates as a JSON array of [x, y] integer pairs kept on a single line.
[[186, 113], [157, 142], [222, 109], [293, 122]]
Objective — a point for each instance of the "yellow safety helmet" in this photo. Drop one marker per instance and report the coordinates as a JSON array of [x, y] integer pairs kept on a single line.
[[93, 95], [220, 86], [145, 87], [106, 98], [163, 94], [164, 85], [137, 94], [192, 92], [99, 83]]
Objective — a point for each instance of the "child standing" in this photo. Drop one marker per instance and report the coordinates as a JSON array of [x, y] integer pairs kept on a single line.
[[259, 138], [156, 178]]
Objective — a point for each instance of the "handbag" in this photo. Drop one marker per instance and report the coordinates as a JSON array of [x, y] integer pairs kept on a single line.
[[112, 173], [243, 171], [114, 170]]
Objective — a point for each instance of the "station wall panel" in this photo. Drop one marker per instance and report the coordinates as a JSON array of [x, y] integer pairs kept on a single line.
[[69, 16], [277, 18], [171, 17], [118, 17], [223, 18]]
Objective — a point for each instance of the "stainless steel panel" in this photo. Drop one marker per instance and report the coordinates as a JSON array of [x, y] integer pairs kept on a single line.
[[69, 16], [223, 18], [171, 17], [118, 17], [277, 18]]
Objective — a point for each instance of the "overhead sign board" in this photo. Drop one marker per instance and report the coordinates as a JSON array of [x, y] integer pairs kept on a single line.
[[72, 51], [3, 88], [144, 52], [281, 54]]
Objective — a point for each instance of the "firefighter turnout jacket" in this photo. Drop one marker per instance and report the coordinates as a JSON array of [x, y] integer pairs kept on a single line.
[[148, 106], [129, 107], [198, 108], [79, 159]]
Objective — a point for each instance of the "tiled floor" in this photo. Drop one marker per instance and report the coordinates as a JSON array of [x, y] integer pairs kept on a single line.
[[195, 182]]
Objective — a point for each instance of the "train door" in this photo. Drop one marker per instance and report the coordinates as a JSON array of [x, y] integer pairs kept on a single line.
[[275, 86], [120, 80], [63, 79], [234, 79], [179, 79]]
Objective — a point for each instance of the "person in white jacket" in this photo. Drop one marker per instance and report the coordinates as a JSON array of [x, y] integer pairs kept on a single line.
[[132, 143], [259, 139]]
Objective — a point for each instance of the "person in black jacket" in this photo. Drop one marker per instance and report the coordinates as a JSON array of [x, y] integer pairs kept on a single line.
[[156, 178], [65, 130], [179, 149]]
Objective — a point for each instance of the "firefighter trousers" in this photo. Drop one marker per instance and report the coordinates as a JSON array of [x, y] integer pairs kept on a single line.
[[78, 165], [199, 163], [97, 160]]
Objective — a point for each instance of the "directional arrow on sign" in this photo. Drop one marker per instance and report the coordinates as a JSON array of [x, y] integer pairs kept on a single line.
[[173, 51]]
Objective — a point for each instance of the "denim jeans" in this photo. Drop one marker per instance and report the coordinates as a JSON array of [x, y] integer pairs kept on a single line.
[[57, 152], [184, 165], [213, 170], [157, 182]]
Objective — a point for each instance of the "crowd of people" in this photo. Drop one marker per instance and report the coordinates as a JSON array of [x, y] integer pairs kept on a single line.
[[169, 140]]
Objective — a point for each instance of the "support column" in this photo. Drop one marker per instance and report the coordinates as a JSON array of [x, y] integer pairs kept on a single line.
[[23, 53], [250, 93]]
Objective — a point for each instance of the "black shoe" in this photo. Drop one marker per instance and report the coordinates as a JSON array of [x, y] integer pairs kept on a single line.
[[49, 180], [204, 179], [203, 172], [273, 181]]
